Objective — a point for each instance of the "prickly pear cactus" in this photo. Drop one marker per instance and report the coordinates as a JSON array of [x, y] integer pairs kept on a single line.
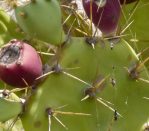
[[37, 19], [88, 82], [138, 31]]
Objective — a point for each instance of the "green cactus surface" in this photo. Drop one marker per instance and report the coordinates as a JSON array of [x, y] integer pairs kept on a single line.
[[11, 104], [136, 15], [89, 82], [42, 20], [8, 28], [104, 74]]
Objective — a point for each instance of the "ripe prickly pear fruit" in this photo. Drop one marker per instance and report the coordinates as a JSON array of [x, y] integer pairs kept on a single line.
[[20, 64], [105, 14], [127, 1]]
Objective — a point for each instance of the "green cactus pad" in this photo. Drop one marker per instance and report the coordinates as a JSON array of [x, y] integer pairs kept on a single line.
[[116, 101], [137, 15], [11, 107], [8, 28], [41, 20]]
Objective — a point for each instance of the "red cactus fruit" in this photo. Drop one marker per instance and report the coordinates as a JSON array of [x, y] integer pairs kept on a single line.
[[105, 14], [20, 64], [127, 1]]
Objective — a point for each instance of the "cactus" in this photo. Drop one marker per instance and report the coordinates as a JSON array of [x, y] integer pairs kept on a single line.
[[88, 83], [11, 102], [9, 28], [127, 1], [45, 27], [138, 37]]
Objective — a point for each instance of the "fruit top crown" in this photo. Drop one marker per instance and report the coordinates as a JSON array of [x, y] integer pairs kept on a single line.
[[9, 54]]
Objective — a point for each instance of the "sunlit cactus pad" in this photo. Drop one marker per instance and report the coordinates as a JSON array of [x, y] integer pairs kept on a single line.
[[101, 74]]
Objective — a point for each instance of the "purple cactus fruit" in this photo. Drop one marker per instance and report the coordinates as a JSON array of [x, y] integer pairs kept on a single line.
[[127, 1], [20, 64], [105, 14]]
